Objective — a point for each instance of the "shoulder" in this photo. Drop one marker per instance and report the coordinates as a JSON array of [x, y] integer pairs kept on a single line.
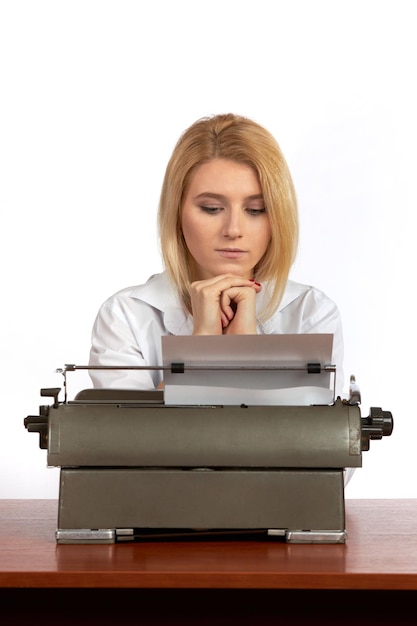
[[297, 294], [156, 292], [303, 308], [155, 304]]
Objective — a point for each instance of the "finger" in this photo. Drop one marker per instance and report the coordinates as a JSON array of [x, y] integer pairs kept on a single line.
[[224, 281], [234, 295], [257, 286], [224, 320], [228, 304]]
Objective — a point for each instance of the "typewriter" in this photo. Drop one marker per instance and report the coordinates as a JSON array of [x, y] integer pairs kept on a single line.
[[134, 467]]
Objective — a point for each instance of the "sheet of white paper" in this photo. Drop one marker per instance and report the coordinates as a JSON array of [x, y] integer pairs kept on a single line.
[[246, 384]]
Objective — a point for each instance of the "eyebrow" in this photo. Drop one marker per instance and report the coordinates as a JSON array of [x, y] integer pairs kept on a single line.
[[219, 196]]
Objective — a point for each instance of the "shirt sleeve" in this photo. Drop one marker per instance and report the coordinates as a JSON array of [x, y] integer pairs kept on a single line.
[[113, 343]]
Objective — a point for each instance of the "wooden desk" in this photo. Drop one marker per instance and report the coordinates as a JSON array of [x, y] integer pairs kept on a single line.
[[373, 575]]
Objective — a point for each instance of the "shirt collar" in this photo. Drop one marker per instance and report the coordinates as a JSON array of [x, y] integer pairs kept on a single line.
[[292, 291], [159, 293]]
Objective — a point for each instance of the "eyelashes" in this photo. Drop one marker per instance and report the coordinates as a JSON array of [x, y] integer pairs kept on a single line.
[[256, 211], [214, 210], [211, 210]]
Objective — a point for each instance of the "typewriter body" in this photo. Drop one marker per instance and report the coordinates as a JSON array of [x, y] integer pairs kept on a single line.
[[133, 467]]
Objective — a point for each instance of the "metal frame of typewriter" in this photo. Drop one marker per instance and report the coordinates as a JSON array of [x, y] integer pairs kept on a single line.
[[134, 468]]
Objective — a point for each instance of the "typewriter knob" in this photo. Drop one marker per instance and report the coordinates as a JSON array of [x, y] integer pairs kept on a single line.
[[39, 424], [378, 424]]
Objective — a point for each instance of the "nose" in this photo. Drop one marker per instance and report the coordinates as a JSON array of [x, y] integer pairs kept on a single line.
[[233, 226]]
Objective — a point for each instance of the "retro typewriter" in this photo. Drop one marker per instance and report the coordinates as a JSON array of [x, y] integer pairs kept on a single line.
[[137, 465]]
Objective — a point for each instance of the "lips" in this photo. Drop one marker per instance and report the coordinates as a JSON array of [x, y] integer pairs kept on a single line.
[[231, 253]]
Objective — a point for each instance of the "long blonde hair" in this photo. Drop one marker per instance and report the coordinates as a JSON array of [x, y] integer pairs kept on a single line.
[[242, 140]]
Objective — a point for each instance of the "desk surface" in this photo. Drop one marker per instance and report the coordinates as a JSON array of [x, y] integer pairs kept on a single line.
[[380, 553]]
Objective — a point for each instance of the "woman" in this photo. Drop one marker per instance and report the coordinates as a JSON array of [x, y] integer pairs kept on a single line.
[[228, 230]]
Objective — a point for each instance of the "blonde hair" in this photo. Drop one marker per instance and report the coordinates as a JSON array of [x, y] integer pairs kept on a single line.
[[242, 140]]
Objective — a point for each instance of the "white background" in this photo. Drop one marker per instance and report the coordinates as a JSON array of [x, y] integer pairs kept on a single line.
[[94, 95]]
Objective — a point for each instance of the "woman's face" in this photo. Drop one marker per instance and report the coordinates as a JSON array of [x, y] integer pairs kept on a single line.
[[224, 220]]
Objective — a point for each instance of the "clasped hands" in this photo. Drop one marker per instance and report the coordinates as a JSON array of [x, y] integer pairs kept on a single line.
[[225, 304]]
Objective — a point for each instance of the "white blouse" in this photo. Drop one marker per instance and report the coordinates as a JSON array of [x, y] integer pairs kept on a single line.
[[130, 324]]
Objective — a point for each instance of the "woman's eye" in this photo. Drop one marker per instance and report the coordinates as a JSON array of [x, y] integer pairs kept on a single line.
[[253, 211], [210, 209]]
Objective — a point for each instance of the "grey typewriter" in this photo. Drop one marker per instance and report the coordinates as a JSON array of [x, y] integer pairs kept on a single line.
[[136, 468]]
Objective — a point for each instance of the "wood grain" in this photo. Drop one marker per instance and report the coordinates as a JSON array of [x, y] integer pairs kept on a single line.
[[380, 554]]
